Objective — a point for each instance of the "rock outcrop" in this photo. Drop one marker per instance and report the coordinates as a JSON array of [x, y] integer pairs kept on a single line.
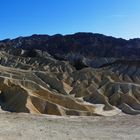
[[80, 74]]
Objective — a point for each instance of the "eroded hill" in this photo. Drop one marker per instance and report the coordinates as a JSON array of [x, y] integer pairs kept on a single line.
[[81, 74]]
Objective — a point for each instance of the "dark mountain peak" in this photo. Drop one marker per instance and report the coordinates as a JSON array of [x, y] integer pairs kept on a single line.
[[84, 44]]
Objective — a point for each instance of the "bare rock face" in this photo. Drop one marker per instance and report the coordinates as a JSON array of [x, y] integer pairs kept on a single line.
[[70, 75], [23, 91]]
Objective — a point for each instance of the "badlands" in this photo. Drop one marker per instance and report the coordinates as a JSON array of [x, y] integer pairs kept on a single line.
[[81, 86]]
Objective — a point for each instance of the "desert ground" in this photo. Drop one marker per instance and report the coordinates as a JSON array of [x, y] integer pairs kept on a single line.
[[24, 126]]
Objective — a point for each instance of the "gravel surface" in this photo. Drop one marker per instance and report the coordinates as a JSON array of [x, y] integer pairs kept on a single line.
[[15, 126]]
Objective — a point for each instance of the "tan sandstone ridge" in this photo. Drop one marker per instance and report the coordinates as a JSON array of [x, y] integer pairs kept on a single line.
[[83, 74], [44, 85], [23, 91]]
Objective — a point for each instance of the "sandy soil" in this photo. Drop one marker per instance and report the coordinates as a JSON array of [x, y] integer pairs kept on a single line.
[[42, 127]]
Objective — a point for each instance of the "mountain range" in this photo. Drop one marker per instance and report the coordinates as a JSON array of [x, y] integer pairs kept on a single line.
[[78, 74]]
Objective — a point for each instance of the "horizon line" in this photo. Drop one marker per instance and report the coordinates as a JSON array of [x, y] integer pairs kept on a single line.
[[64, 34]]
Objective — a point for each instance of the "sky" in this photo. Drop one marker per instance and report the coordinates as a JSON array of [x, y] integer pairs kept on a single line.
[[118, 18]]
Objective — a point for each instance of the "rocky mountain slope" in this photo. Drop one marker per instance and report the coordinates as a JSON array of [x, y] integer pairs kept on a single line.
[[80, 74]]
